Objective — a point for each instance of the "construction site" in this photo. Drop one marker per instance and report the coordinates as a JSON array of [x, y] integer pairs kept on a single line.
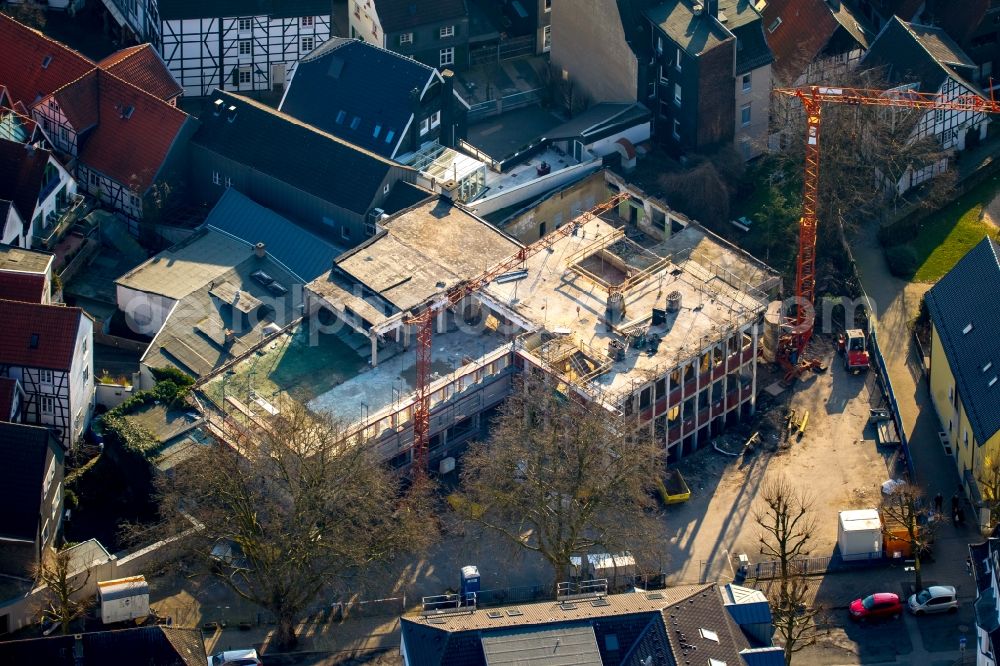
[[660, 330]]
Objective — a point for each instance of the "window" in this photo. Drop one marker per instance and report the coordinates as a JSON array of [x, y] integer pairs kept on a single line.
[[677, 129], [745, 115], [389, 135], [355, 121], [340, 117], [435, 119], [447, 56], [663, 78], [86, 374], [385, 189], [93, 179], [229, 182], [244, 25], [48, 404], [377, 131], [664, 109], [678, 63], [547, 38], [307, 44], [774, 25], [246, 47], [746, 82], [63, 134], [45, 376], [307, 21], [425, 126], [548, 5], [244, 76], [938, 115], [406, 38], [677, 94], [651, 89], [446, 31], [345, 233], [215, 177], [659, 45]]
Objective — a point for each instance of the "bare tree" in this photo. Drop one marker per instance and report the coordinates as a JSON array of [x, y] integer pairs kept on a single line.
[[29, 13], [989, 484], [293, 508], [61, 604], [905, 506], [699, 191], [787, 526], [866, 150], [558, 478]]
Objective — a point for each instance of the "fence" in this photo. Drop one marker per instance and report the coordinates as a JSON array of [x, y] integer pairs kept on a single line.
[[504, 49], [882, 371], [497, 106]]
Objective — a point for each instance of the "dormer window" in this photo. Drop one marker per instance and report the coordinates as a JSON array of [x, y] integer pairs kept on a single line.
[[46, 61], [967, 329]]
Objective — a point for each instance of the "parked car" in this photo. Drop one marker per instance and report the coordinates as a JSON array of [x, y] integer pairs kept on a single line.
[[247, 657], [878, 606], [934, 599]]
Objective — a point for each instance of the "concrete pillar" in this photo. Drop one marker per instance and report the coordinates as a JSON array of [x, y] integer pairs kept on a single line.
[[442, 320], [666, 417], [697, 397], [374, 339], [753, 361], [406, 335]]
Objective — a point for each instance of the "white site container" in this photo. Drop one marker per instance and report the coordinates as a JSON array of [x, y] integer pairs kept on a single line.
[[123, 599], [860, 535]]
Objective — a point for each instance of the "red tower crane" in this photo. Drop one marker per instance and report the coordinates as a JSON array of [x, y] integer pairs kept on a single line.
[[813, 98], [424, 320]]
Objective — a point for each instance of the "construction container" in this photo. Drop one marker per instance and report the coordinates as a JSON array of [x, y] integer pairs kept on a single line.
[[860, 535], [618, 568], [896, 539], [672, 488], [123, 599]]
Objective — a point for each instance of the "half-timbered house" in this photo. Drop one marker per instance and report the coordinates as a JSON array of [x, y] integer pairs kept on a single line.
[[226, 44], [37, 186], [923, 58], [49, 350]]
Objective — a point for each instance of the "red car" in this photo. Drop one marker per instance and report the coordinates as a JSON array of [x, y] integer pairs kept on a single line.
[[880, 605]]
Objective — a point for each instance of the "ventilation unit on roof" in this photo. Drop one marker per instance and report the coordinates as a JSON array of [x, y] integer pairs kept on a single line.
[[217, 106]]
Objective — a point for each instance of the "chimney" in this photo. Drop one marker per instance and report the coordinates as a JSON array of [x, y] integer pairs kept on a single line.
[[448, 109], [260, 250], [230, 336]]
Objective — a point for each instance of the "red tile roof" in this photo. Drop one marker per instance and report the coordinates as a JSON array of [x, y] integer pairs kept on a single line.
[[34, 65], [142, 66], [8, 389], [78, 101], [24, 287], [52, 329], [130, 149], [806, 27], [22, 168]]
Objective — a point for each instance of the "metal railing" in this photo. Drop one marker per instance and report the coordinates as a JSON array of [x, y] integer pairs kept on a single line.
[[61, 221]]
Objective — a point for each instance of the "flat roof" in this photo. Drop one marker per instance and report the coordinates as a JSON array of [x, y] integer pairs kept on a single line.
[[19, 259], [187, 266], [424, 250], [555, 297]]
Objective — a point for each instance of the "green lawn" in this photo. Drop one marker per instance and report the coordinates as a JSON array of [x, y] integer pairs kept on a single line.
[[947, 235]]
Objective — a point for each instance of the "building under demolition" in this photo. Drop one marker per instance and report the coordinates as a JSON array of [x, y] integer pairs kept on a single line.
[[662, 331]]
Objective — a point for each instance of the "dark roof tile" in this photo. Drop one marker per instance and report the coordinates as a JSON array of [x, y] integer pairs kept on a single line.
[[969, 295], [34, 65], [348, 78], [142, 67], [395, 15], [23, 450], [149, 646], [294, 152], [22, 171]]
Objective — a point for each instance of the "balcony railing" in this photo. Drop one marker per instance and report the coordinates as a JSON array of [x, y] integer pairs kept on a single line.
[[57, 222]]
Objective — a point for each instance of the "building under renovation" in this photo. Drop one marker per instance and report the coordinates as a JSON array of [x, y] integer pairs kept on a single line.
[[659, 330]]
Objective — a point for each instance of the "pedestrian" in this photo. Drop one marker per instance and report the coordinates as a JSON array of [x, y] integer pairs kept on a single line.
[[938, 502], [960, 516], [954, 502]]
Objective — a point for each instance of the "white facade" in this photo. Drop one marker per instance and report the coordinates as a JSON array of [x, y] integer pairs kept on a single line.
[[58, 195], [364, 22], [12, 230], [81, 375], [753, 98], [238, 53], [145, 312]]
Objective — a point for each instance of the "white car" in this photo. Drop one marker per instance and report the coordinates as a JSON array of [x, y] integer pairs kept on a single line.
[[247, 657], [934, 599]]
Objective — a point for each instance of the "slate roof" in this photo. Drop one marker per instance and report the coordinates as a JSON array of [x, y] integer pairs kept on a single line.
[[142, 67], [665, 625], [8, 389], [551, 646], [306, 254], [694, 34], [403, 195], [136, 131], [34, 65], [22, 169], [38, 336], [919, 54], [806, 28], [294, 152], [601, 119], [752, 51], [346, 79], [970, 294], [149, 646], [171, 10], [24, 287], [396, 15], [23, 450]]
